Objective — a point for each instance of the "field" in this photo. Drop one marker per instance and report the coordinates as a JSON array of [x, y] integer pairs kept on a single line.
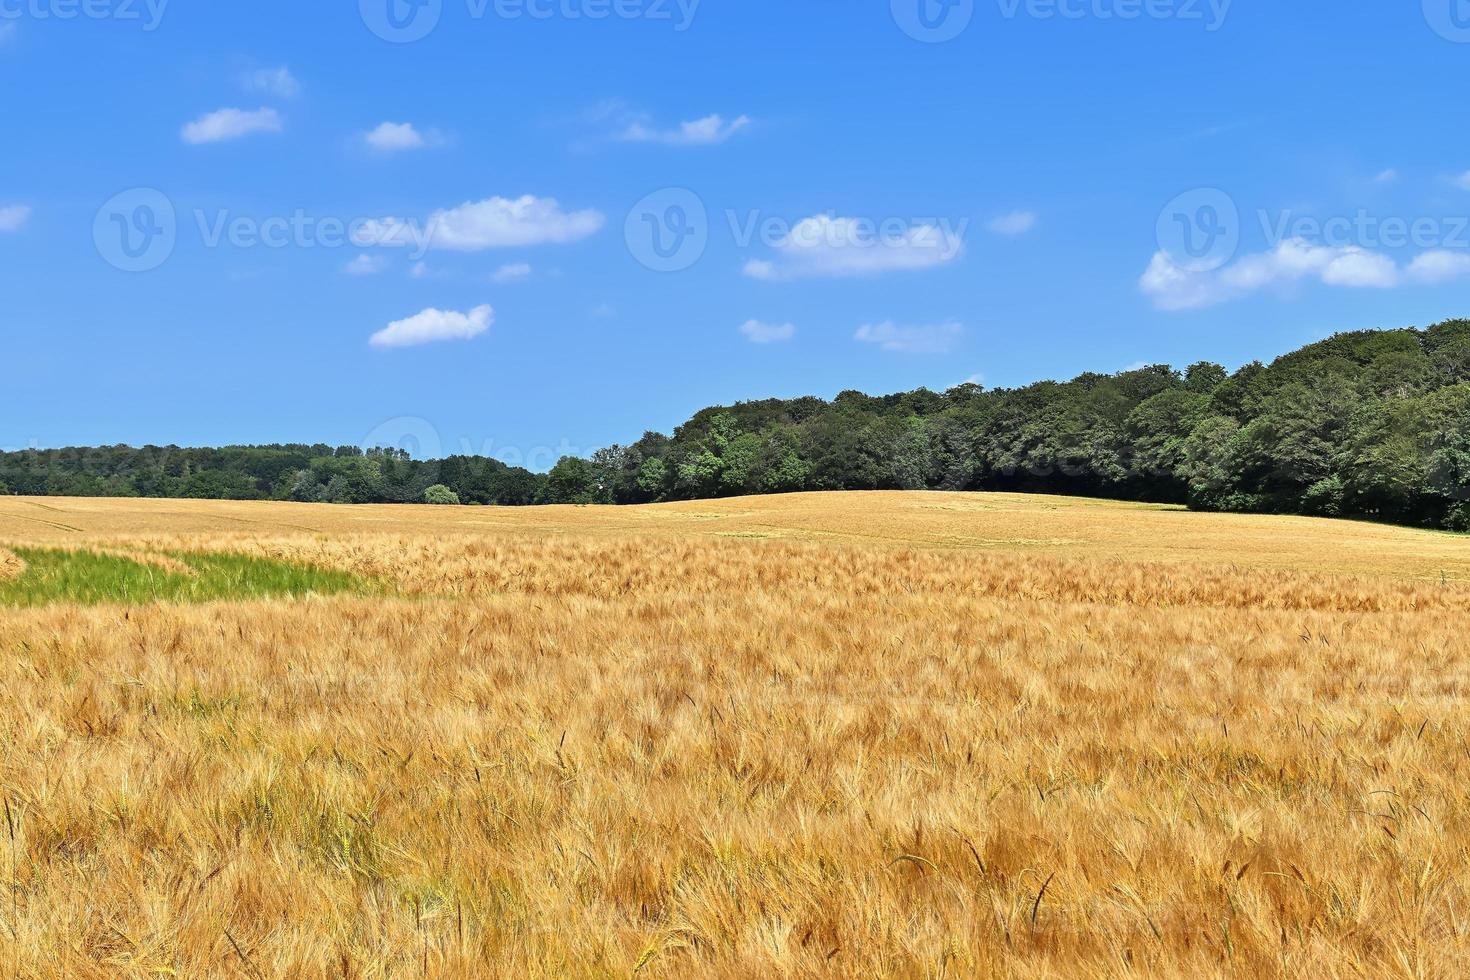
[[905, 735]]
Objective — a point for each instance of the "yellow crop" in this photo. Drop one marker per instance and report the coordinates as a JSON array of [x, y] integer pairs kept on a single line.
[[865, 735]]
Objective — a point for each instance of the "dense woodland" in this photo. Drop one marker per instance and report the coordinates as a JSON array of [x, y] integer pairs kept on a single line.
[[1372, 424]]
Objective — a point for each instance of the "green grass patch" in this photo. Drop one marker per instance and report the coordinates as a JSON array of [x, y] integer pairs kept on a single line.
[[84, 578]]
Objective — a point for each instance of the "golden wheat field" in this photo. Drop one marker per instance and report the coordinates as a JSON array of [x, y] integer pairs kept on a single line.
[[861, 735]]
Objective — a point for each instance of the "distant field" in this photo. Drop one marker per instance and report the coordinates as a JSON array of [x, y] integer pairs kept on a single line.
[[889, 734], [995, 523]]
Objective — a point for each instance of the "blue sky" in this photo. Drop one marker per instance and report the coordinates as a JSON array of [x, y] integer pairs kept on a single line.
[[1062, 185]]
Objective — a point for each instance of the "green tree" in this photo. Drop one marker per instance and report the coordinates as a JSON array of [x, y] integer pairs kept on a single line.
[[572, 481], [653, 478]]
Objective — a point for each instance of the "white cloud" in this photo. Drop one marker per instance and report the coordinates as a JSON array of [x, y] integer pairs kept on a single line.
[[14, 217], [760, 269], [420, 270], [699, 132], [272, 81], [1292, 261], [1015, 223], [1359, 269], [230, 124], [936, 338], [767, 333], [432, 326], [495, 222], [8, 33], [366, 265], [1439, 266], [1389, 176], [825, 246], [1463, 181], [512, 272], [390, 137]]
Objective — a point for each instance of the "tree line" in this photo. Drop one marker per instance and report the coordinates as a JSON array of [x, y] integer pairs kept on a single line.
[[311, 474], [1372, 424]]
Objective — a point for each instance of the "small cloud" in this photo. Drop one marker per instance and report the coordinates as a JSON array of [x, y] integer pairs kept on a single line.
[[937, 338], [366, 265], [762, 270], [14, 218], [8, 33], [1462, 181], [603, 311], [1359, 269], [767, 333], [420, 270], [828, 247], [1389, 176], [977, 380], [700, 132], [231, 124], [1015, 223], [1439, 266], [512, 272], [278, 82], [433, 326], [393, 137], [1294, 260], [495, 222]]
